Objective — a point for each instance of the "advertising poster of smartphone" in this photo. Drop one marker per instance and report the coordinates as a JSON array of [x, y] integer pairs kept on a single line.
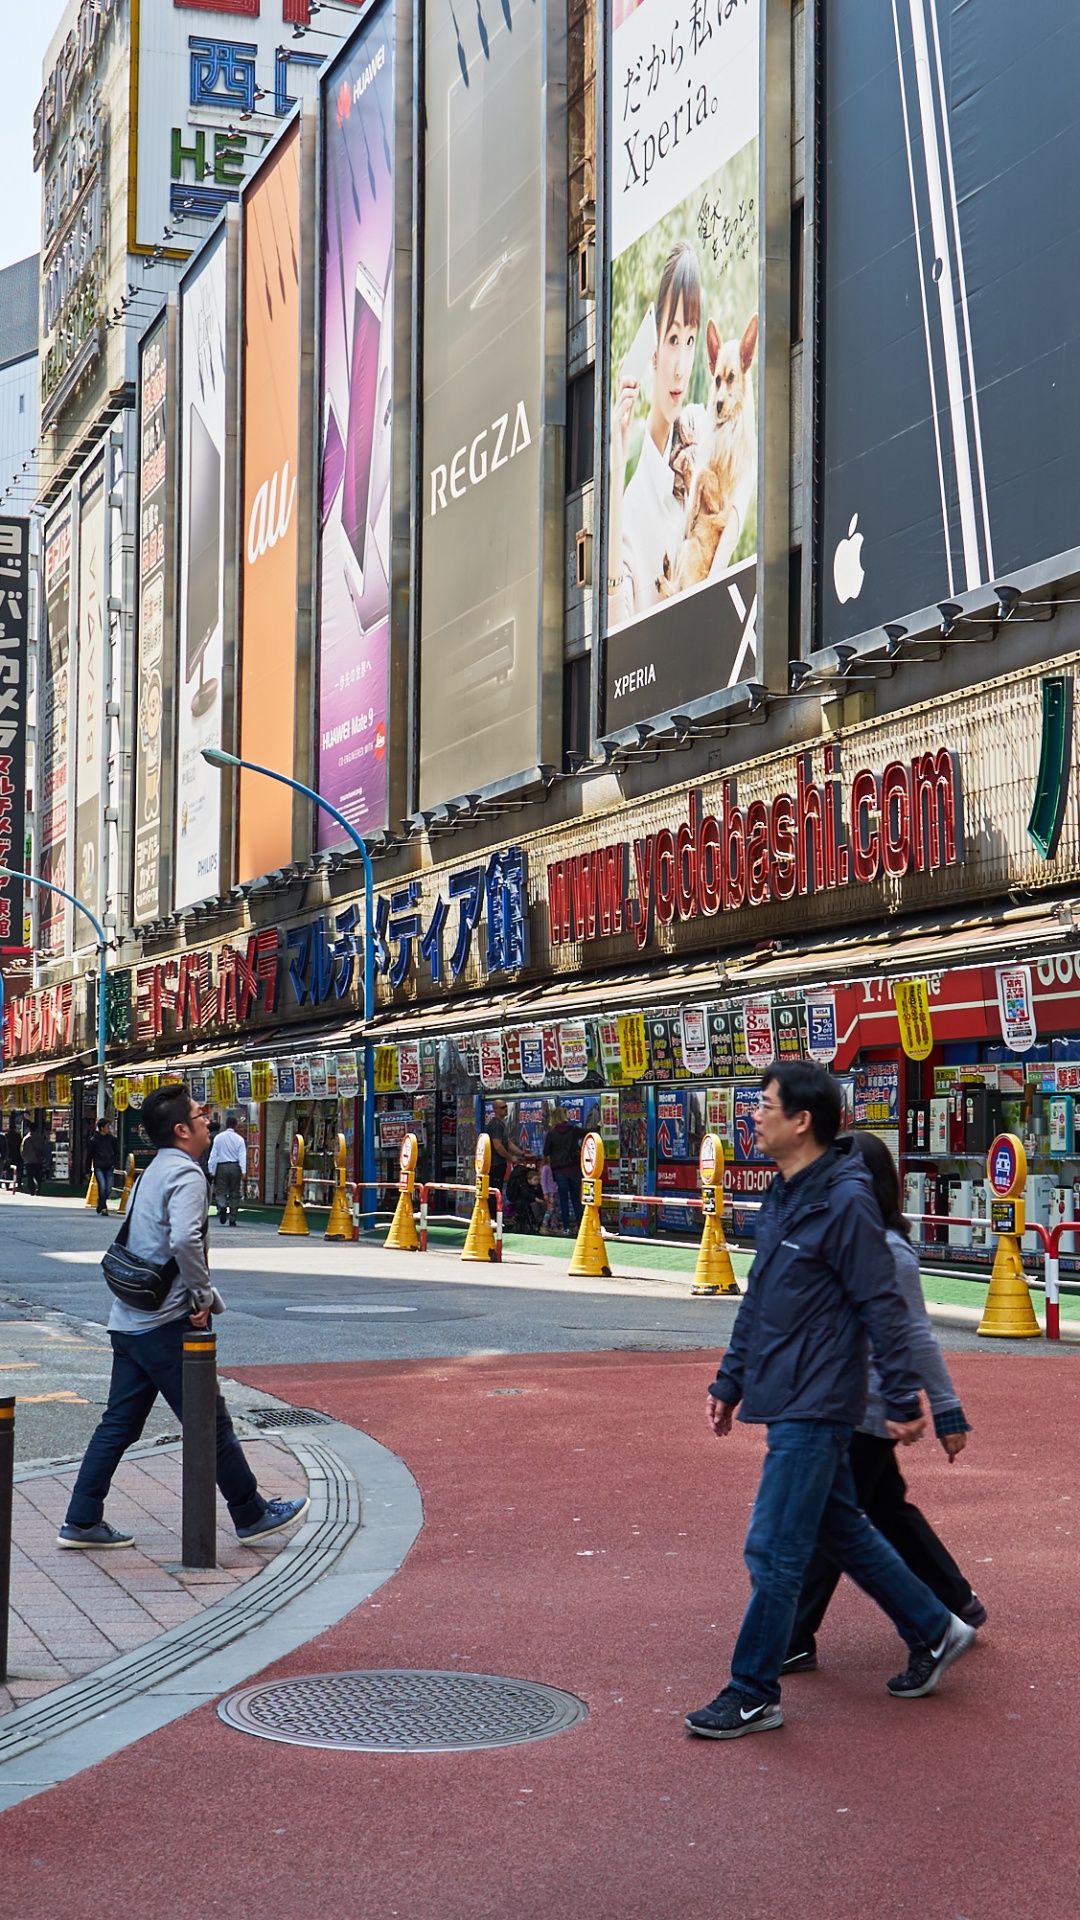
[[949, 389], [683, 373], [357, 423], [202, 544]]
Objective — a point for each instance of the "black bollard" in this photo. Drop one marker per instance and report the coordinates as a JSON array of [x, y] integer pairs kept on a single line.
[[198, 1528], [7, 1475]]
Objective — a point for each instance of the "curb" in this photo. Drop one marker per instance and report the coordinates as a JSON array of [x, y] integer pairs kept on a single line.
[[329, 1568]]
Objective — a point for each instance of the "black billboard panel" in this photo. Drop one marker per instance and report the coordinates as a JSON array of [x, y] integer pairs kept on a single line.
[[949, 400]]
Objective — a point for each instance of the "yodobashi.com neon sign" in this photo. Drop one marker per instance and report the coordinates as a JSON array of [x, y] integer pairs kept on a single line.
[[907, 819]]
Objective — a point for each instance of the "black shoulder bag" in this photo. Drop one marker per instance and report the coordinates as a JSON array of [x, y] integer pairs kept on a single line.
[[134, 1280]]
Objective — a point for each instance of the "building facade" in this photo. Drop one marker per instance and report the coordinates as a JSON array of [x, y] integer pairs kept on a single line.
[[527, 460]]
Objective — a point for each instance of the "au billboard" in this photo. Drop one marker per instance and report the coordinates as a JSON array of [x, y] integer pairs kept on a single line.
[[157, 406], [682, 528], [90, 710], [204, 482], [493, 280], [356, 412], [949, 388], [54, 731], [270, 503]]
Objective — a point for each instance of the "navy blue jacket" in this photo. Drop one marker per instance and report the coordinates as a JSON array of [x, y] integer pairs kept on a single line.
[[822, 1288]]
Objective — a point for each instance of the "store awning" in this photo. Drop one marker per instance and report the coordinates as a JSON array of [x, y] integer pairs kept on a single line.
[[25, 1072]]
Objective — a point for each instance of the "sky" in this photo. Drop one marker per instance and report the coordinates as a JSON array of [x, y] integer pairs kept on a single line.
[[20, 205]]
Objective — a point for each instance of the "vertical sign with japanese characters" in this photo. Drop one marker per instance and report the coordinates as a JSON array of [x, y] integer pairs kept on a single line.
[[53, 718], [682, 481], [14, 589], [90, 720], [155, 613]]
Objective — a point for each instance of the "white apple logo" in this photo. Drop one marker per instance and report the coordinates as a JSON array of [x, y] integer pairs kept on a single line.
[[847, 568]]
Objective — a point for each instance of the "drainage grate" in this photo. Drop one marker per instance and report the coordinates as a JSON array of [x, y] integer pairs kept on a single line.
[[403, 1711], [269, 1419]]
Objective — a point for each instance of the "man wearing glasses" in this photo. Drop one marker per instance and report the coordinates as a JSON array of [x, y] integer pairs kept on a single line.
[[167, 1216]]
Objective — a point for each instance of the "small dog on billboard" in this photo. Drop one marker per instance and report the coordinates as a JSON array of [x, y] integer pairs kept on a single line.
[[728, 457]]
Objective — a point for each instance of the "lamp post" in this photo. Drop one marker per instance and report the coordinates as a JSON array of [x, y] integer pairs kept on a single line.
[[217, 757], [32, 880]]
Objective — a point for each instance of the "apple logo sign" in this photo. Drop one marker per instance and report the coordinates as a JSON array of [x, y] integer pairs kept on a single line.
[[847, 567]]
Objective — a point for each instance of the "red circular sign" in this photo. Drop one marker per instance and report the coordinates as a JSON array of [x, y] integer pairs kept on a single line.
[[588, 1154], [1001, 1165]]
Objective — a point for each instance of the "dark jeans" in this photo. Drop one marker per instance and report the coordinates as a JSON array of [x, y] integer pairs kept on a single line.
[[144, 1365], [568, 1181], [33, 1171], [227, 1189], [882, 1494], [103, 1176], [807, 1495]]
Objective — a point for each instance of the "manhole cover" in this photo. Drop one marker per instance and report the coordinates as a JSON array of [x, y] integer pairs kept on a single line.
[[403, 1712], [269, 1418]]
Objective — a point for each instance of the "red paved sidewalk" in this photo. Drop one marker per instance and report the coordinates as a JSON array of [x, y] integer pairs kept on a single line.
[[587, 1531]]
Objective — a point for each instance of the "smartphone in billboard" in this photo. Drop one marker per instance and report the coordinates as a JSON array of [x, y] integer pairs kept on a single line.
[[363, 395], [204, 556]]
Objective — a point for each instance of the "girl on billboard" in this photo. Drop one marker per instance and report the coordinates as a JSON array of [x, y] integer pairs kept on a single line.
[[646, 517]]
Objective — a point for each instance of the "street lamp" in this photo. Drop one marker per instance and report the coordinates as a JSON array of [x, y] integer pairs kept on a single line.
[[32, 880], [217, 757]]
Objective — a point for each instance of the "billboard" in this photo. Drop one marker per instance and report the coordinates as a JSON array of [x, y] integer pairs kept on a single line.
[[682, 532], [491, 533], [90, 709], [949, 390], [14, 630], [203, 558], [53, 731], [356, 411], [270, 510], [155, 676]]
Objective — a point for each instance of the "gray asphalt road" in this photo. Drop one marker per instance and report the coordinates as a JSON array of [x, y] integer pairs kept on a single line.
[[294, 1299]]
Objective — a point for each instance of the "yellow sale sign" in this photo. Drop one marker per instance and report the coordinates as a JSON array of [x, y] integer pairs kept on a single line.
[[913, 1014], [633, 1056], [386, 1069]]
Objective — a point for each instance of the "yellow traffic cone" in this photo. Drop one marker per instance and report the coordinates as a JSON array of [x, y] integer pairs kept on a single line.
[[589, 1258], [294, 1219], [480, 1239], [403, 1234], [1008, 1314], [92, 1191], [129, 1182], [714, 1272], [340, 1224]]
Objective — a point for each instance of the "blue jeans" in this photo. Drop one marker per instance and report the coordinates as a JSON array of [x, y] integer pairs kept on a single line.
[[806, 1497], [568, 1181], [144, 1365]]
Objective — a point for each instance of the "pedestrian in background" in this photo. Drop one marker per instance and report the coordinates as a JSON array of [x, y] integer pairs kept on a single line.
[[879, 1484], [35, 1152], [166, 1226], [821, 1291], [562, 1153], [227, 1169], [13, 1153], [104, 1158]]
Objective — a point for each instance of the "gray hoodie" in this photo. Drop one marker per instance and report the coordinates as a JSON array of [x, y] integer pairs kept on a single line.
[[926, 1356], [167, 1213]]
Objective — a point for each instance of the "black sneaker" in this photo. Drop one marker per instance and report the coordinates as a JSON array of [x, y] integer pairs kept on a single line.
[[974, 1613], [927, 1664], [801, 1660], [101, 1535], [732, 1714], [278, 1514]]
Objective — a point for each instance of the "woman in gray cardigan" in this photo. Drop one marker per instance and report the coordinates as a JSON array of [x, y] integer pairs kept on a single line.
[[878, 1481]]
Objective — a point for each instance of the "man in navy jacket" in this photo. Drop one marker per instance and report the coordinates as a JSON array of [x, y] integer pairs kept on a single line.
[[822, 1289]]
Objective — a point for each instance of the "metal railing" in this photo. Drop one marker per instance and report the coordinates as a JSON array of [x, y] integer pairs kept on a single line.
[[425, 1215]]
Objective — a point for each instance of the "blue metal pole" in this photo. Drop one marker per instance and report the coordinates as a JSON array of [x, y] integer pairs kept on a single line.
[[33, 880], [217, 757]]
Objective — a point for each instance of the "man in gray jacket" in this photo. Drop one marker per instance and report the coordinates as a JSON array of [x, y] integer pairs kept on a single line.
[[167, 1216], [822, 1287]]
